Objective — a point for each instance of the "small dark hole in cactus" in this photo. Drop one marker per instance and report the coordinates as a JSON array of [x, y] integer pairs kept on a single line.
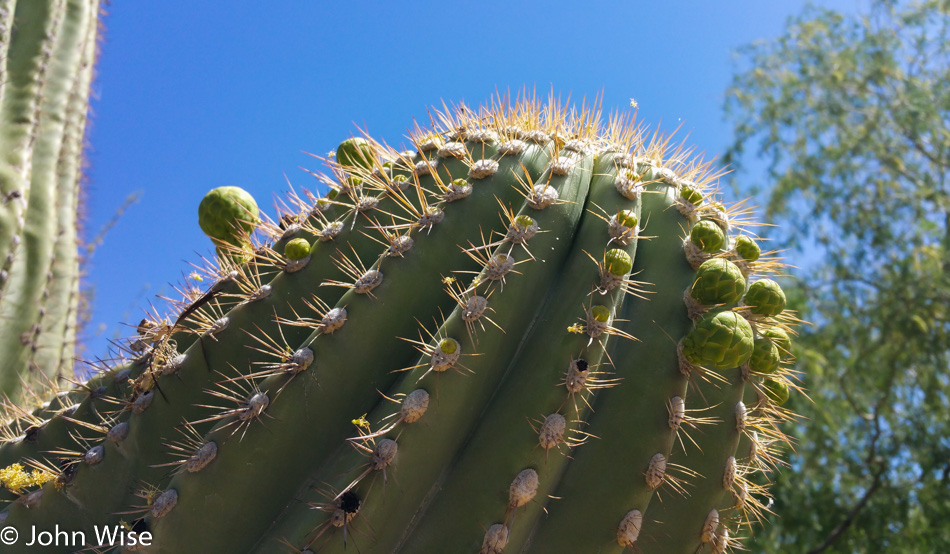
[[287, 220], [139, 526], [582, 365], [32, 433], [350, 502], [68, 472], [98, 392]]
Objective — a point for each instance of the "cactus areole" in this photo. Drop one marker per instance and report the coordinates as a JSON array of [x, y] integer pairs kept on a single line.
[[464, 346]]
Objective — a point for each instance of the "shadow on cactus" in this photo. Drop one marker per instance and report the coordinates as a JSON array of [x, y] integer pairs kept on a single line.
[[536, 331]]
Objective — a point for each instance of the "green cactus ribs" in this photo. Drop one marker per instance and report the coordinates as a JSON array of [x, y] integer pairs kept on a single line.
[[533, 329], [47, 53]]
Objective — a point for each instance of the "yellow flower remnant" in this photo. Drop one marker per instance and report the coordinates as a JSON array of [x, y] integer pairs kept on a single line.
[[15, 478], [361, 422]]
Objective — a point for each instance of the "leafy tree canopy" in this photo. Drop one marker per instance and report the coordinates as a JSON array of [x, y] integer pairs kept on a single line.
[[850, 114]]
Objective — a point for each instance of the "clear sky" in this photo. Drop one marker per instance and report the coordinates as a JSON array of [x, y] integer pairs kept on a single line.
[[194, 95]]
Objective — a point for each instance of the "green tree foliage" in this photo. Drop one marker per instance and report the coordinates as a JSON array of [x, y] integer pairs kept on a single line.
[[851, 116]]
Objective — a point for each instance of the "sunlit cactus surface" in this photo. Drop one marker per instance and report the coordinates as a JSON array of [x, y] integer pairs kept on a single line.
[[539, 329]]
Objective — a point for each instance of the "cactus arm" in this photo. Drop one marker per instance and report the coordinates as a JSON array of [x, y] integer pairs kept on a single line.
[[457, 400], [27, 66], [23, 307], [12, 184], [57, 338], [34, 150], [7, 9], [376, 322]]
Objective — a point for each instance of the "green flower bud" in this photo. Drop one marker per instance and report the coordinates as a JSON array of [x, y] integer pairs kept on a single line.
[[691, 195], [765, 356], [708, 236], [765, 297], [627, 218], [448, 346], [227, 213], [524, 221], [747, 248], [355, 152], [720, 340], [236, 257], [618, 262], [600, 313], [297, 249], [718, 281], [776, 390], [780, 339]]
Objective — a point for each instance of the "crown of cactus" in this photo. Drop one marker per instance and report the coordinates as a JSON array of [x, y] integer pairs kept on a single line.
[[534, 332], [47, 49]]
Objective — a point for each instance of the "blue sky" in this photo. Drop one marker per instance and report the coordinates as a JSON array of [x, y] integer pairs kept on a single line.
[[192, 96]]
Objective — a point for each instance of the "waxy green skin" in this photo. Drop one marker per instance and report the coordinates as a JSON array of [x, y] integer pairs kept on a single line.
[[188, 389], [530, 390], [427, 447], [654, 319], [386, 318], [477, 433]]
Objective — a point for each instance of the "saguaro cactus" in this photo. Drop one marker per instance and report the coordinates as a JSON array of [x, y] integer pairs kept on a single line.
[[533, 332], [47, 50]]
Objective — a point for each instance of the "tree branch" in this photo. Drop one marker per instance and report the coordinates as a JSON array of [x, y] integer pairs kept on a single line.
[[876, 483], [843, 526]]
